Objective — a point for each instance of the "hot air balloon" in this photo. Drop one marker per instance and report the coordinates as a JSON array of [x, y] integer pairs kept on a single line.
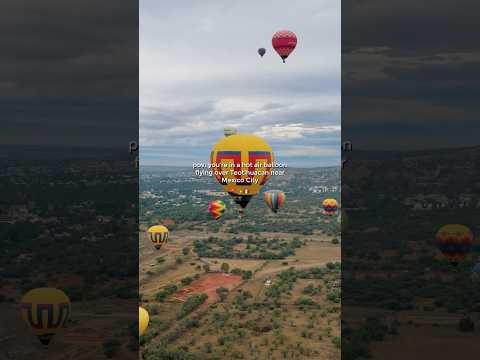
[[329, 206], [242, 163], [274, 199], [216, 208], [229, 131], [261, 51], [46, 311], [143, 320], [158, 235], [284, 42], [454, 241]]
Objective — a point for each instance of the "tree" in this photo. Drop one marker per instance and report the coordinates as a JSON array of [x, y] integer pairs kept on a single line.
[[185, 250], [191, 304], [247, 275], [222, 293], [187, 280], [225, 267]]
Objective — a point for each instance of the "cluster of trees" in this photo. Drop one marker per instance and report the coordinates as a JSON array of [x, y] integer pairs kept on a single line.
[[167, 291], [399, 292], [286, 279], [160, 352], [245, 274], [191, 304], [300, 224], [355, 344], [255, 248]]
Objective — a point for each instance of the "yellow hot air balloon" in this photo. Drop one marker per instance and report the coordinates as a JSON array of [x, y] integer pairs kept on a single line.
[[158, 235], [143, 320], [242, 163], [330, 206], [46, 311]]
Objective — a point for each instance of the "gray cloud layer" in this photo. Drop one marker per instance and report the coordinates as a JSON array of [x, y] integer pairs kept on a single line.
[[199, 72], [410, 74], [69, 72]]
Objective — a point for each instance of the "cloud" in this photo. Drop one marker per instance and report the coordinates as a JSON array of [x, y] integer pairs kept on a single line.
[[293, 131], [308, 151], [68, 76], [200, 72], [414, 83]]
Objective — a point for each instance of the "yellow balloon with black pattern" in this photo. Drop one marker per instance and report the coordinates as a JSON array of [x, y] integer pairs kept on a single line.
[[158, 235], [242, 163], [46, 311]]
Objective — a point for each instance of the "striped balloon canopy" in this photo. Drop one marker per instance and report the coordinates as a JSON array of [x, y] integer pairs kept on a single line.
[[46, 311], [158, 235], [454, 241], [274, 199], [330, 206], [216, 208]]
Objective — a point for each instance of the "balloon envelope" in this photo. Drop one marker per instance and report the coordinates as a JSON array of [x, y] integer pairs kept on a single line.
[[143, 320], [216, 208], [262, 51], [46, 311], [284, 42], [242, 163], [158, 235], [454, 241], [274, 199], [330, 206]]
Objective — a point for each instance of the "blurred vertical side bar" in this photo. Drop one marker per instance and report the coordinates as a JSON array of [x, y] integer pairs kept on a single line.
[[68, 179], [410, 188]]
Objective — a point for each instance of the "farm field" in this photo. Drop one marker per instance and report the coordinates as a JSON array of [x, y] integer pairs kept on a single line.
[[245, 320]]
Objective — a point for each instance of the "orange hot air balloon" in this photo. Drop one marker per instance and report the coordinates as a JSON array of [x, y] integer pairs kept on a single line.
[[216, 208]]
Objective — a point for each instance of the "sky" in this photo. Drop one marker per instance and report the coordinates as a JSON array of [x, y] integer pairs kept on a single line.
[[200, 72]]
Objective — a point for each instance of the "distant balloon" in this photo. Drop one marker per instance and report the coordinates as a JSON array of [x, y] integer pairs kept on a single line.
[[284, 42], [261, 51], [46, 311], [229, 131], [143, 320], [274, 199], [158, 235], [230, 159], [330, 206], [454, 241], [216, 208]]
